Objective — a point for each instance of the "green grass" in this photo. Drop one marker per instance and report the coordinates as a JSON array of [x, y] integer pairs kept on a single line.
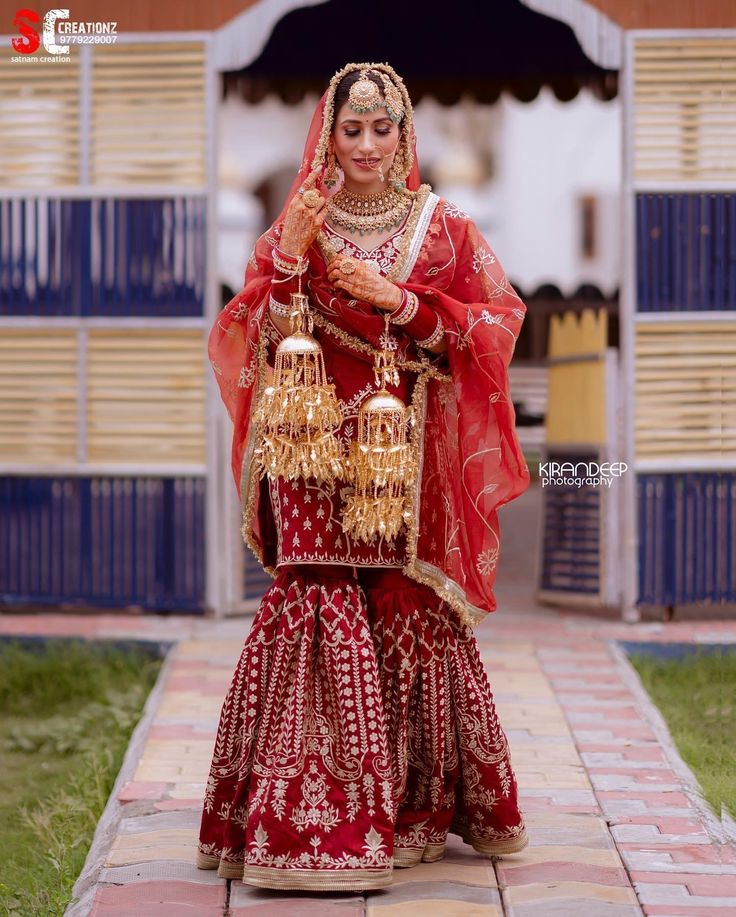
[[66, 714], [695, 695]]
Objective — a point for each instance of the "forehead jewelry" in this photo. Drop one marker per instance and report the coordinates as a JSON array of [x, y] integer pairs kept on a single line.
[[365, 96], [398, 106]]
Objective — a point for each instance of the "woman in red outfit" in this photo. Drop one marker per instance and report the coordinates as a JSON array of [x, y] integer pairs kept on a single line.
[[360, 728]]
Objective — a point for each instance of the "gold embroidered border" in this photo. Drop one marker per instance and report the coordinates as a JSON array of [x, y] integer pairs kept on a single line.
[[408, 856], [230, 870], [418, 570], [339, 562], [433, 852], [423, 367], [351, 880], [496, 848], [205, 861], [249, 478]]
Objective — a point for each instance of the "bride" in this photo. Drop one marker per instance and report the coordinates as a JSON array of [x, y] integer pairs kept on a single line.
[[360, 728]]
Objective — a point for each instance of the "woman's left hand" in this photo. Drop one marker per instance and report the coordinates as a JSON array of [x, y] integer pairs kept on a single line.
[[364, 283]]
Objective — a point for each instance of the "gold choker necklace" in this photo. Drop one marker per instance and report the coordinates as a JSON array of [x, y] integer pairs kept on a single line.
[[364, 213]]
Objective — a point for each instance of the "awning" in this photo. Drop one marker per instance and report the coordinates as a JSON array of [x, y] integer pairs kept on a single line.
[[443, 50]]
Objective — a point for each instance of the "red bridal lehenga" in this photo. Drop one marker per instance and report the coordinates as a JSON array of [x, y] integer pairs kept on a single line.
[[360, 727]]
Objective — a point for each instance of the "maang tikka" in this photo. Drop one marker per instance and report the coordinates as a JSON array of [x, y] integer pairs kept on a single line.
[[365, 96]]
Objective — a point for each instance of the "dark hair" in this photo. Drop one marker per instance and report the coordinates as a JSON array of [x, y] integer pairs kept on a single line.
[[343, 88]]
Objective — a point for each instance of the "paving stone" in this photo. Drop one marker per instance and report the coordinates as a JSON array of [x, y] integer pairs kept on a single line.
[[659, 893], [669, 825], [134, 790], [418, 894], [186, 819], [253, 901], [157, 870], [562, 871], [567, 853], [159, 892], [687, 910], [572, 868], [649, 834], [719, 886], [433, 908], [670, 798], [577, 891], [628, 782], [573, 907], [169, 804], [601, 759]]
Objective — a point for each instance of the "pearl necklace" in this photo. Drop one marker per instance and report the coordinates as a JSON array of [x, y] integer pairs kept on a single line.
[[364, 213]]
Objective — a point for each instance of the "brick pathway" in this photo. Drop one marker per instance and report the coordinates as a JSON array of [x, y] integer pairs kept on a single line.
[[616, 828]]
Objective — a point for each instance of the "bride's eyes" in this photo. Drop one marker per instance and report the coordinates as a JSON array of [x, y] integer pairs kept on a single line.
[[379, 130]]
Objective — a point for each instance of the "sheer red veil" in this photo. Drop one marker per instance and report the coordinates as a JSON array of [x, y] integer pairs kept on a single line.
[[471, 460]]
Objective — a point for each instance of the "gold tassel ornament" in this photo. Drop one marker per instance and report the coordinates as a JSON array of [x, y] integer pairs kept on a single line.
[[299, 414], [380, 464]]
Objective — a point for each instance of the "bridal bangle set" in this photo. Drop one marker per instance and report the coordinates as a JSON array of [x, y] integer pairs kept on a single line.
[[292, 265], [407, 310], [296, 266]]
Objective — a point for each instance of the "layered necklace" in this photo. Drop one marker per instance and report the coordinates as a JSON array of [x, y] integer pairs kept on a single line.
[[365, 213]]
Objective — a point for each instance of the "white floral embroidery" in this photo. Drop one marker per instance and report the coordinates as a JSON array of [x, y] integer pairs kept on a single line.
[[486, 562], [490, 319], [247, 377], [240, 311], [452, 210], [481, 258]]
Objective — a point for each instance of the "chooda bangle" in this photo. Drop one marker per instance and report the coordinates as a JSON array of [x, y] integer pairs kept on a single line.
[[407, 310], [435, 337], [278, 308], [288, 264]]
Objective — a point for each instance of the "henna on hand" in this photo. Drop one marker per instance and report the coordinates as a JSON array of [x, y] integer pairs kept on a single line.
[[365, 283], [301, 223]]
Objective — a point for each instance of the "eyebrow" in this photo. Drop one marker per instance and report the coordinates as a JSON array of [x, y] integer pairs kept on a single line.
[[358, 121]]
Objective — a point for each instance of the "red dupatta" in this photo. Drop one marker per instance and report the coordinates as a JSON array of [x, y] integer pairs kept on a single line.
[[470, 459]]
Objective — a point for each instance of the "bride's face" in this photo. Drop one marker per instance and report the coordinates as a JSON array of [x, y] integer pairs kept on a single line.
[[362, 144]]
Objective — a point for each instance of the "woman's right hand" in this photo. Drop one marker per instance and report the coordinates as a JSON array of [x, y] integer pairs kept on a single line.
[[301, 223]]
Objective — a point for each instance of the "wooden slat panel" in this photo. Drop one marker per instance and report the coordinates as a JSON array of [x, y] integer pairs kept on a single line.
[[38, 395], [146, 396], [685, 378], [685, 109], [576, 411], [39, 124], [148, 114]]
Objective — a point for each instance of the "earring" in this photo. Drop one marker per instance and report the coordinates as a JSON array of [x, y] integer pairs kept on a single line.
[[331, 176], [397, 172]]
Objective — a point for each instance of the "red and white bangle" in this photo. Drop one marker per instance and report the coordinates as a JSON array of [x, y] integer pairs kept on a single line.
[[435, 337], [278, 308], [292, 265], [406, 310]]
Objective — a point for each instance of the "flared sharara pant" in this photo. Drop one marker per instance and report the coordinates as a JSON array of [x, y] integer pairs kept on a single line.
[[359, 729]]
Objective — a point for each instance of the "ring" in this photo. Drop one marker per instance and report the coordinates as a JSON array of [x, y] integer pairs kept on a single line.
[[348, 266], [311, 198], [300, 190]]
